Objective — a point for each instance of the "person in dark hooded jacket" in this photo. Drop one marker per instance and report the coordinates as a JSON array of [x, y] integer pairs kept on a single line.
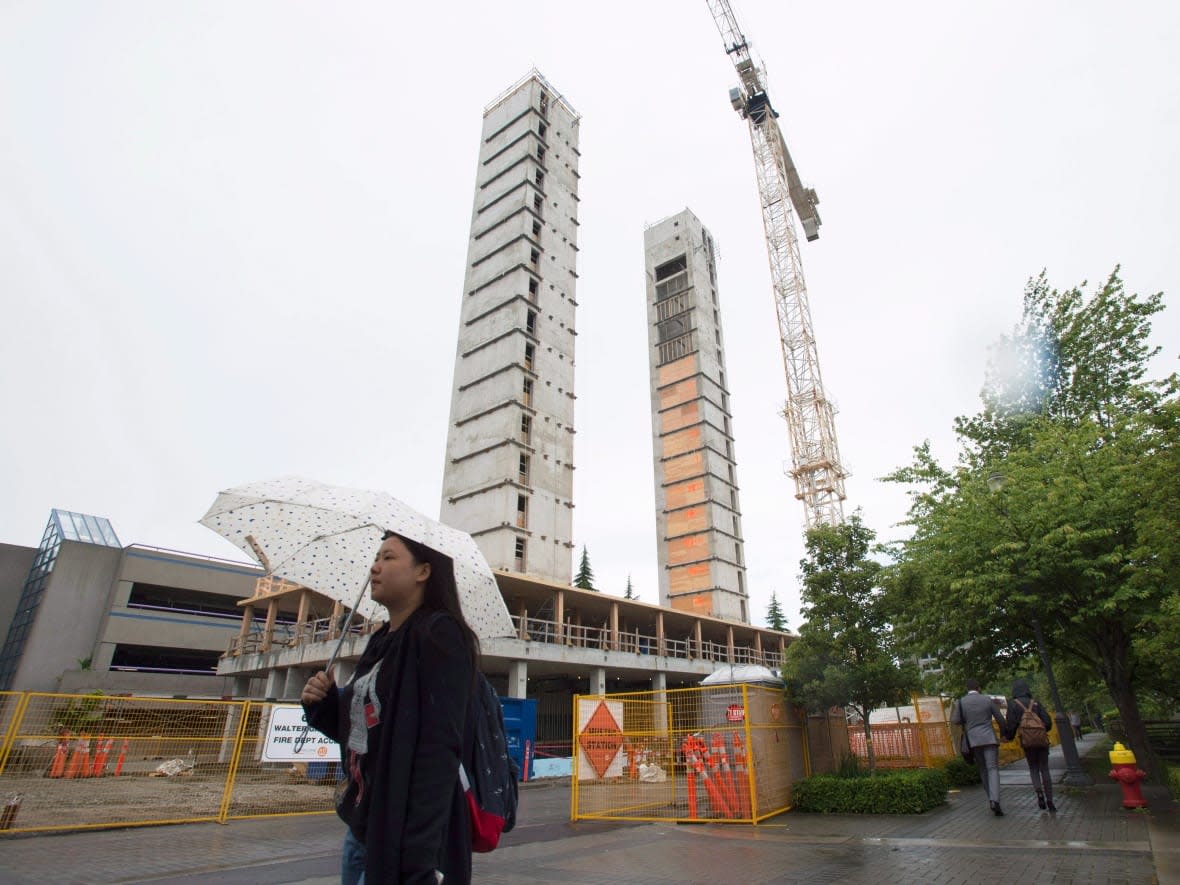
[[1036, 757]]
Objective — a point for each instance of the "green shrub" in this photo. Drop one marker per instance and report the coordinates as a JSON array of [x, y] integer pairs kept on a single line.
[[1174, 781], [960, 773], [849, 767], [895, 792]]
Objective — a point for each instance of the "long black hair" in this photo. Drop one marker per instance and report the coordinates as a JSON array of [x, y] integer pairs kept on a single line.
[[441, 593]]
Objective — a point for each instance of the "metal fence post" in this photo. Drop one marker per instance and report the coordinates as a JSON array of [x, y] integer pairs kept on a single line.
[[13, 727], [227, 797]]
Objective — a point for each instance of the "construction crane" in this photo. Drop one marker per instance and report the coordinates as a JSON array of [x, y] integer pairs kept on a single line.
[[815, 457]]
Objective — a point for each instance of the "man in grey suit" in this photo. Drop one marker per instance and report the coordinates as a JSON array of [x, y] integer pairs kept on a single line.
[[975, 712]]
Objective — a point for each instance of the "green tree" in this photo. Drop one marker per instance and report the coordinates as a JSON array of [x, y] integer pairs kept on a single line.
[[774, 614], [1066, 540], [845, 651], [585, 576], [630, 593]]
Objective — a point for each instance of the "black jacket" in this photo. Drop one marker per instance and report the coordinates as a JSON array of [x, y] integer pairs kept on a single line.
[[1022, 693], [415, 815]]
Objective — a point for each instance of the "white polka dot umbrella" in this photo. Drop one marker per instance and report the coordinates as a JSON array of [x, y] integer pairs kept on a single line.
[[325, 537]]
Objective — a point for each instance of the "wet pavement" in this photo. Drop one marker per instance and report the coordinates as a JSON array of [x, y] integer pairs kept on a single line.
[[1091, 839]]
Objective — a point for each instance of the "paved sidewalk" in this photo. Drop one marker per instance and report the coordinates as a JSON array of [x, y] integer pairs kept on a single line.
[[1092, 839]]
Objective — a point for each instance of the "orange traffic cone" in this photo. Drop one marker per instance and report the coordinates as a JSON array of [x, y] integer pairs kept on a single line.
[[708, 772], [80, 759], [725, 776], [58, 768], [122, 756], [102, 749], [743, 779]]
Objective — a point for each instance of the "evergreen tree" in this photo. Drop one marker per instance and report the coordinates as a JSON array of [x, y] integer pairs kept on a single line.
[[630, 594], [585, 576], [774, 614]]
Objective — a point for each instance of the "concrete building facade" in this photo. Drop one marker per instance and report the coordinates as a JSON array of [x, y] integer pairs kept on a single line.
[[698, 518], [92, 614], [508, 476]]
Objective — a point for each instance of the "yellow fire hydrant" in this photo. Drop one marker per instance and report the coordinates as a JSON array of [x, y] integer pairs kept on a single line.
[[1129, 775]]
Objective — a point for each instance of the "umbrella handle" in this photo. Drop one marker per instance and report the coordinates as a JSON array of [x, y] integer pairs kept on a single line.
[[301, 739]]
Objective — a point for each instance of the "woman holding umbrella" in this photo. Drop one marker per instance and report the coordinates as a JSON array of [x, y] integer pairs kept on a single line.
[[401, 723]]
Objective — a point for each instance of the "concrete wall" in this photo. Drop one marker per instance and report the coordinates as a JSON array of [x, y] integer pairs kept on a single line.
[[15, 563], [67, 620]]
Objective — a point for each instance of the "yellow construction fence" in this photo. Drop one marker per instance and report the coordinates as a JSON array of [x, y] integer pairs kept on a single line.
[[717, 753], [71, 762]]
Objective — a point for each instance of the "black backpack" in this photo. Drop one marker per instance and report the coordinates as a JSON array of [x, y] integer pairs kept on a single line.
[[488, 774]]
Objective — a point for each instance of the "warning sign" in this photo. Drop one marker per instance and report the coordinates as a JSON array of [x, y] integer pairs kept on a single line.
[[599, 740], [289, 739], [735, 712]]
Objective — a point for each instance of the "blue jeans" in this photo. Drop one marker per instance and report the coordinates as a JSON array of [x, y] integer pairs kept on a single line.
[[352, 861]]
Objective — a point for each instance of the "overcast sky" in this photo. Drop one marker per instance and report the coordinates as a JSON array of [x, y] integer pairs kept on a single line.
[[232, 236]]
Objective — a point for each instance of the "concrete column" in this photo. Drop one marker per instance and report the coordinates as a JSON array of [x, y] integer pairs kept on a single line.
[[758, 646], [103, 653], [276, 681], [661, 646], [293, 684], [337, 613], [659, 685], [696, 638], [241, 687], [518, 679], [598, 680], [614, 626], [523, 613], [729, 644]]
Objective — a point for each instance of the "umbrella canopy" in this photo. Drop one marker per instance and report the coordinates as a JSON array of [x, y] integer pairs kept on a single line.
[[324, 537]]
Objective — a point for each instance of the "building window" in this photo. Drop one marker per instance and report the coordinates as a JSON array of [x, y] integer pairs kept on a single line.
[[539, 178], [530, 353], [533, 287], [536, 228], [527, 392], [530, 323], [519, 554], [671, 268], [538, 204], [524, 470], [544, 104], [540, 154], [526, 428], [522, 511], [534, 257], [542, 129]]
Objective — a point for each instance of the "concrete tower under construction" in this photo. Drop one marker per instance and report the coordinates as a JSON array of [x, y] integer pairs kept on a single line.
[[698, 521], [508, 477]]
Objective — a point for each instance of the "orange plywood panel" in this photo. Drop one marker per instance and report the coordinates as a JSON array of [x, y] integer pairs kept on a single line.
[[680, 416], [691, 519], [687, 549], [684, 493], [688, 578], [679, 393], [676, 370], [680, 442], [692, 603], [684, 467]]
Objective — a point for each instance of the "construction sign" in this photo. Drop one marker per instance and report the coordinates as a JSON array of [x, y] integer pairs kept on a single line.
[[289, 739], [600, 738]]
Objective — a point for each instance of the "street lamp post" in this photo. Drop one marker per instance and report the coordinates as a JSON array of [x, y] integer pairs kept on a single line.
[[1075, 775]]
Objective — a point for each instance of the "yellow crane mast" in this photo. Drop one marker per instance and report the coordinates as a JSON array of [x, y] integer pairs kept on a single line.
[[815, 457]]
